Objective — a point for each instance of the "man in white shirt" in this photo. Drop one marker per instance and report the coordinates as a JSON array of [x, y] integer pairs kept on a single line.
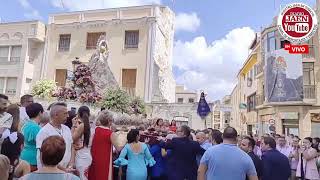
[[5, 118], [283, 147], [56, 127], [25, 100]]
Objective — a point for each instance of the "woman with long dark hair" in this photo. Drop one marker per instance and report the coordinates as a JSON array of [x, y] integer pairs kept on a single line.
[[11, 147], [139, 157], [173, 126], [159, 126], [81, 136]]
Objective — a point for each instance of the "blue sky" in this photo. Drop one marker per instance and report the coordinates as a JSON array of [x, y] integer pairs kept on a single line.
[[211, 41]]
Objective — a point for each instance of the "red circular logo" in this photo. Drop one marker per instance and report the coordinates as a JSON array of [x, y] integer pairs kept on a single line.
[[297, 22]]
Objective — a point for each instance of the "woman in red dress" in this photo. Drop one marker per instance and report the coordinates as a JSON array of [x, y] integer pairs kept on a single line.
[[101, 150], [173, 126]]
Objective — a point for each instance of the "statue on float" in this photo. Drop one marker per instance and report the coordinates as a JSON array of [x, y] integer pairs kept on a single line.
[[99, 67]]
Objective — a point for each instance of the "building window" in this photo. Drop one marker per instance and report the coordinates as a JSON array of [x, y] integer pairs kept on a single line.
[[92, 39], [1, 84], [251, 102], [64, 42], [180, 100], [4, 52], [271, 41], [28, 80], [131, 39], [308, 73], [15, 53], [191, 100], [33, 30], [11, 85]]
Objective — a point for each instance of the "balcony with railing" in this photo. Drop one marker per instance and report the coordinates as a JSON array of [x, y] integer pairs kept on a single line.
[[36, 31], [309, 91], [11, 91], [259, 69], [259, 99], [311, 54], [130, 91], [13, 60]]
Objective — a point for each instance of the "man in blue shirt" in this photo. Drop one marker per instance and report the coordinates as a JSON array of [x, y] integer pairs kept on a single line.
[[226, 161], [204, 143], [275, 165]]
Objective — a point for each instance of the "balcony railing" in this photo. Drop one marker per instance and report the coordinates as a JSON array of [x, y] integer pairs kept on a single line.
[[259, 68], [130, 91], [311, 54], [309, 91], [14, 59], [9, 62], [11, 91], [259, 99]]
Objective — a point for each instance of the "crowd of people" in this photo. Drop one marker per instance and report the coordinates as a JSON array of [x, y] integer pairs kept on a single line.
[[57, 143]]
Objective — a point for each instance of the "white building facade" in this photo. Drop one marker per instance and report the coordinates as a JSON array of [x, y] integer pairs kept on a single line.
[[140, 41], [21, 53]]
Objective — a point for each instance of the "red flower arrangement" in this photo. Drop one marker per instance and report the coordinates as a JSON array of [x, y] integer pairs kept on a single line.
[[82, 76], [83, 88]]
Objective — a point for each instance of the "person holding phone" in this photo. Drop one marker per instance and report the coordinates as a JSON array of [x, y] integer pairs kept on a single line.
[[307, 168]]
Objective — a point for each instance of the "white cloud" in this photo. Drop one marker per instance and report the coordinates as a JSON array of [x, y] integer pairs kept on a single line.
[[25, 4], [99, 4], [212, 67], [31, 13], [34, 14], [187, 22]]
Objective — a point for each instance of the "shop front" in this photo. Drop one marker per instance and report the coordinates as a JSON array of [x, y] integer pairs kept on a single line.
[[266, 119], [290, 122], [315, 124]]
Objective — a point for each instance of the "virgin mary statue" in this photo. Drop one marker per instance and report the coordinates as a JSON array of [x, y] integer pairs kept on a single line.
[[99, 67]]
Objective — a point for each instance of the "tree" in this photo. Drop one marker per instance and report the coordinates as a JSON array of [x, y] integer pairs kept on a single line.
[[117, 100], [44, 89]]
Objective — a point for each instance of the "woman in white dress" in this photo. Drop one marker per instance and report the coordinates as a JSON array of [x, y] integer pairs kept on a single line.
[[81, 134]]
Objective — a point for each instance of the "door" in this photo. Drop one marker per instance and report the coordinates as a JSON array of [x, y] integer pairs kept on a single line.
[[61, 76], [129, 80], [287, 130], [290, 126]]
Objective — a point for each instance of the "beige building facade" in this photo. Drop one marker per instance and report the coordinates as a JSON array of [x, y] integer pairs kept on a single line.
[[222, 113], [185, 96], [21, 53], [290, 117], [254, 111], [247, 90], [140, 41]]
